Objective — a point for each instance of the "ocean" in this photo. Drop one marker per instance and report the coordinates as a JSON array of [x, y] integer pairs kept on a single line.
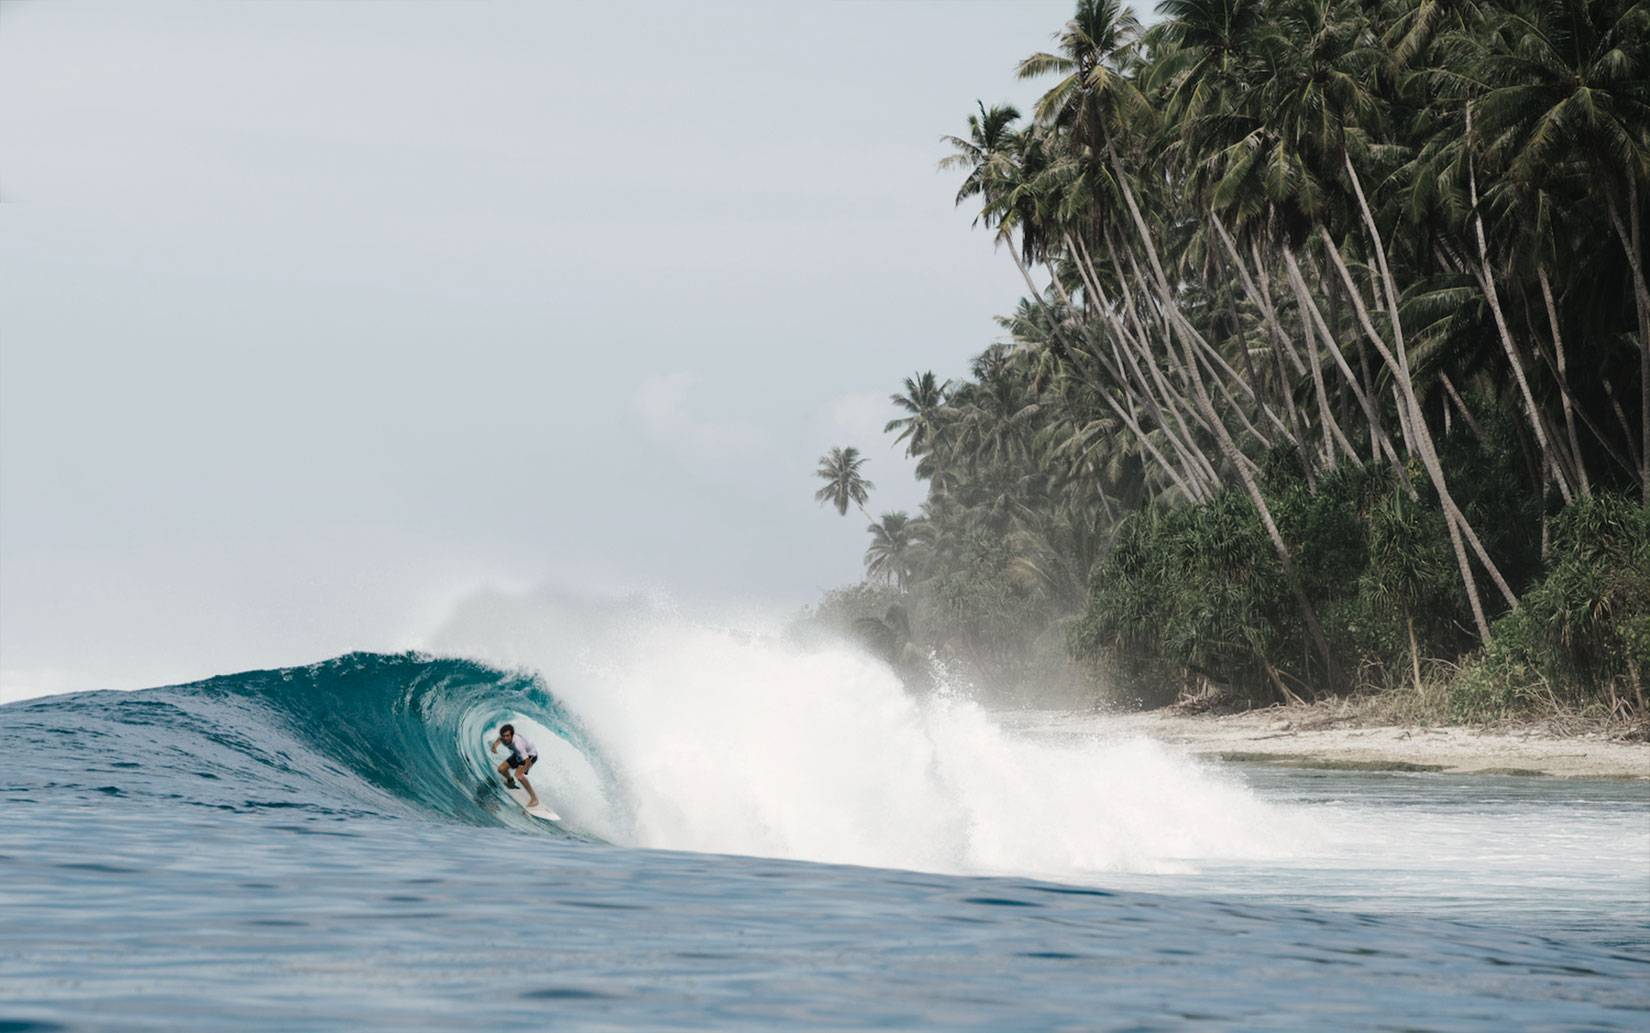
[[758, 837]]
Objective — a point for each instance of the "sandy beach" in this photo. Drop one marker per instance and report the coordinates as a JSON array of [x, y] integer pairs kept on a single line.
[[1306, 737]]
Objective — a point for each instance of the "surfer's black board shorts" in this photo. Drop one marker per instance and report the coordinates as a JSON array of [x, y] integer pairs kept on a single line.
[[516, 762]]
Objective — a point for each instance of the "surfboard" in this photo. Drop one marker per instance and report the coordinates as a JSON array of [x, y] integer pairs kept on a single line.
[[541, 811]]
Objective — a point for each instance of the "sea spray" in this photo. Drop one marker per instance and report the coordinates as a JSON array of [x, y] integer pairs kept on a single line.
[[739, 742]]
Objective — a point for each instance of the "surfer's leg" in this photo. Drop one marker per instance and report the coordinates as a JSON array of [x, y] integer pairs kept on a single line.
[[521, 776], [504, 769]]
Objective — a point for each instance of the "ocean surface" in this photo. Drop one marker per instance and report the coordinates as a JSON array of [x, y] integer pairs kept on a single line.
[[756, 837]]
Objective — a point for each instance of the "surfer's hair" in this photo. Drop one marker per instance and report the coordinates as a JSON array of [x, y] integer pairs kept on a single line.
[[507, 728]]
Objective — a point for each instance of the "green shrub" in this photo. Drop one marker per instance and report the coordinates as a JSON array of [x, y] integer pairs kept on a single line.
[[1196, 593], [1582, 634], [1199, 586]]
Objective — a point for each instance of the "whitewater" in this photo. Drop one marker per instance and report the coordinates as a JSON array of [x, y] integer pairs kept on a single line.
[[762, 835]]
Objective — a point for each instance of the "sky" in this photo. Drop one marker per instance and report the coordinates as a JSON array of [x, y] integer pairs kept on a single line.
[[318, 319]]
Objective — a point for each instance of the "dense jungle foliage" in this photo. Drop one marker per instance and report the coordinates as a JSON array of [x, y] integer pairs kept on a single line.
[[1332, 369]]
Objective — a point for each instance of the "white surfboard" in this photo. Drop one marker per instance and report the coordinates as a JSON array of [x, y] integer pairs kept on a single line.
[[541, 811]]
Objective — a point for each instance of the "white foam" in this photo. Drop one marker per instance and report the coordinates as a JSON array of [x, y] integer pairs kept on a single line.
[[743, 744]]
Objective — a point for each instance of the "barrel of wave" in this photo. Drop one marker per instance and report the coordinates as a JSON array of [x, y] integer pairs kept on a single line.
[[565, 778]]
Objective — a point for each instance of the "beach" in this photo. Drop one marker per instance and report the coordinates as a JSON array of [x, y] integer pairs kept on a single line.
[[1312, 737]]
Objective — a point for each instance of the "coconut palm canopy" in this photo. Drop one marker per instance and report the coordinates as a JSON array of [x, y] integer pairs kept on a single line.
[[897, 548], [844, 484], [1336, 315]]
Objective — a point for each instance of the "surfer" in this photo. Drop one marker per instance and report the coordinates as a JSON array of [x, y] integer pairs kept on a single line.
[[523, 755]]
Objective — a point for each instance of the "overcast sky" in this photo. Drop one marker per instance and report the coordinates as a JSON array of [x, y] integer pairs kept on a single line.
[[317, 317]]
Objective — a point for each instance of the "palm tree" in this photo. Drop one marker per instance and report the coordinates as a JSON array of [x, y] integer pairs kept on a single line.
[[1203, 43], [994, 417], [1569, 80], [1267, 239], [989, 135], [891, 554], [1058, 547], [839, 469], [1093, 96], [1096, 102], [920, 426], [1319, 64]]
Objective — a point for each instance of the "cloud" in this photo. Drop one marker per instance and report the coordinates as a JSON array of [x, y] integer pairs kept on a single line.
[[18, 685], [662, 403], [859, 418]]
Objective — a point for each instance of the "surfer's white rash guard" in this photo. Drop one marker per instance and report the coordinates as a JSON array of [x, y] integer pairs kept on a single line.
[[520, 747]]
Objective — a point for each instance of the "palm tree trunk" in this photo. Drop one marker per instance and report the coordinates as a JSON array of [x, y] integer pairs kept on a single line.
[[1136, 341], [1626, 427], [1172, 327], [1202, 355], [1264, 280], [1486, 282], [1563, 463], [1283, 348], [1186, 444], [1240, 344], [1421, 439], [1126, 369], [1285, 559], [1176, 327], [1454, 522], [1177, 402], [1301, 435], [1628, 462], [1309, 308], [1213, 359], [1641, 292], [1461, 406], [1092, 283], [1326, 420], [1243, 275], [1397, 360], [1414, 654], [1106, 396], [1564, 381], [1332, 432], [1400, 406]]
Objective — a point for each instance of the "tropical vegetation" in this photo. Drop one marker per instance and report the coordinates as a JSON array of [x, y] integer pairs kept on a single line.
[[1332, 370], [844, 483]]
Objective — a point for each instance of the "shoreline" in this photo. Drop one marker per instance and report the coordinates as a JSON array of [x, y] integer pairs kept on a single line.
[[1306, 737]]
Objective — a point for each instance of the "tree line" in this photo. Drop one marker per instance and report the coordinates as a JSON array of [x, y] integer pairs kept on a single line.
[[1332, 368]]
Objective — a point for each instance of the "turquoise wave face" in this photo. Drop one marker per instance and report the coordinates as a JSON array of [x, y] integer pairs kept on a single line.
[[365, 733]]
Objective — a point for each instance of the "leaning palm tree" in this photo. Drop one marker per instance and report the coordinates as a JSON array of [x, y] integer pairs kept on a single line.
[[1568, 80], [839, 469], [1097, 103]]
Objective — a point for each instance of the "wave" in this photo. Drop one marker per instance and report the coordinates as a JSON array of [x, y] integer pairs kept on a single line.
[[662, 734], [361, 734]]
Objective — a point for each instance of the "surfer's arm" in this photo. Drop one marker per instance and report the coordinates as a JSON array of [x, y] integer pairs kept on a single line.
[[492, 747]]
